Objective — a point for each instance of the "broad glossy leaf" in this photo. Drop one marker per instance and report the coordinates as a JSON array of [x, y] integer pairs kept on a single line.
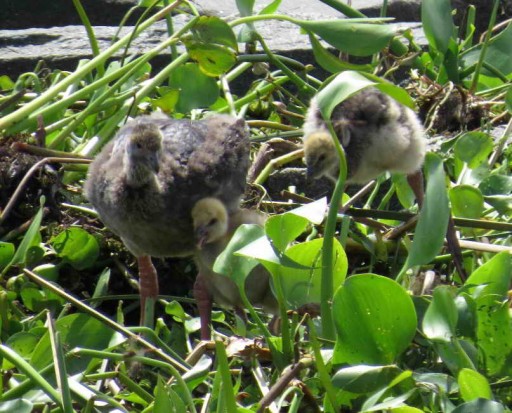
[[436, 16], [433, 218], [214, 60], [403, 190], [364, 379], [32, 233], [284, 228], [498, 53], [6, 253], [167, 102], [303, 286], [355, 38], [474, 148], [440, 319], [502, 203], [238, 267], [473, 385], [496, 184], [76, 330], [480, 406], [162, 402], [330, 62], [375, 320], [467, 201], [494, 335], [22, 343], [214, 30], [49, 272], [197, 90], [314, 212], [76, 247], [271, 8]]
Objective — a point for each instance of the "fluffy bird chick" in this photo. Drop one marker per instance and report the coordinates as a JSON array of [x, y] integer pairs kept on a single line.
[[213, 228], [142, 154], [377, 133], [146, 180]]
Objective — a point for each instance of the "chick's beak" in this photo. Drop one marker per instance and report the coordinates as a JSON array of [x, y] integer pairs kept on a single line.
[[312, 172], [201, 235], [154, 162]]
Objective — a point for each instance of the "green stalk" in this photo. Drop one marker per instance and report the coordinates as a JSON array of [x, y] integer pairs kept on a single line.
[[327, 248], [76, 76], [485, 45], [170, 32], [24, 366], [90, 33], [228, 392], [343, 8]]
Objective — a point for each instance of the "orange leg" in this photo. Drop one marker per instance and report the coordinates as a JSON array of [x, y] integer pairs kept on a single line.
[[148, 287], [204, 305]]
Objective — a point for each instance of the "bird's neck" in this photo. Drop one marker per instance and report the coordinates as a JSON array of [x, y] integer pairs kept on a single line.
[[137, 173]]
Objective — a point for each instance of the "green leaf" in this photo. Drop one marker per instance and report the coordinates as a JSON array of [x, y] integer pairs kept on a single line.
[[433, 218], [375, 320], [167, 102], [364, 379], [49, 272], [271, 8], [303, 286], [330, 62], [496, 184], [502, 203], [162, 401], [508, 99], [6, 83], [76, 330], [6, 253], [489, 286], [354, 38], [436, 16], [403, 190], [196, 89], [76, 247], [238, 267], [213, 30], [284, 228], [473, 148], [480, 406], [214, 60], [32, 233], [440, 320], [473, 385], [314, 212], [467, 201]]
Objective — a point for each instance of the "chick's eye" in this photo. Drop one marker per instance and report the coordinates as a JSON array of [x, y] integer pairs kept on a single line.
[[213, 221], [138, 145], [321, 158]]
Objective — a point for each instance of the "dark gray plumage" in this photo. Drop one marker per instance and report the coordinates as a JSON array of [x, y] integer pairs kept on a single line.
[[145, 182], [377, 133]]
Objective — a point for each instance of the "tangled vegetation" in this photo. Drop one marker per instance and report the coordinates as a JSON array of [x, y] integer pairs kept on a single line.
[[395, 330]]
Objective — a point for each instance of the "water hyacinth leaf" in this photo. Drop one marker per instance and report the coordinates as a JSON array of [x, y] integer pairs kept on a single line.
[[214, 30], [354, 38], [494, 337], [49, 272], [436, 16], [473, 385], [238, 267], [6, 253], [496, 184], [364, 379], [271, 8], [405, 409], [330, 62], [499, 50], [22, 343], [284, 228], [473, 148], [197, 90], [467, 201], [262, 250], [480, 405], [440, 320], [76, 330], [403, 190], [214, 60], [303, 286], [76, 247], [163, 403], [375, 320], [314, 212], [248, 32], [167, 101], [508, 100], [433, 217], [502, 203], [31, 235]]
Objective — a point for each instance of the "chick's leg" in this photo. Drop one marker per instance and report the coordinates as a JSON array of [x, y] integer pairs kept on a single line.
[[204, 305], [148, 287]]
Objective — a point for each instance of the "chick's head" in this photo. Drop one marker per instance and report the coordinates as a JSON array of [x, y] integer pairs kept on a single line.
[[210, 221], [320, 155]]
